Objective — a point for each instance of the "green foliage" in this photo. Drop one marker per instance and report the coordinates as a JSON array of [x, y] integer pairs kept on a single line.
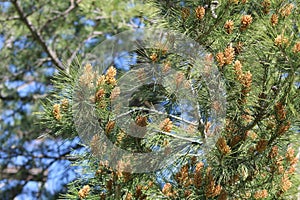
[[253, 157]]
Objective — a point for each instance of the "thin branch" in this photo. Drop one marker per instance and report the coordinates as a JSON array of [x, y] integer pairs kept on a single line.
[[10, 18], [37, 35], [79, 46], [157, 112], [41, 61], [25, 98], [17, 173], [62, 14], [192, 140]]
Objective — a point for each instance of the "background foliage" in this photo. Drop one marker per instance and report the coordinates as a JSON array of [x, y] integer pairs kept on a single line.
[[38, 38]]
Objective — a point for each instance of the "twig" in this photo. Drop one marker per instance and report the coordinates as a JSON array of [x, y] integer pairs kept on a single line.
[[94, 34], [61, 14], [10, 18], [192, 140], [154, 111]]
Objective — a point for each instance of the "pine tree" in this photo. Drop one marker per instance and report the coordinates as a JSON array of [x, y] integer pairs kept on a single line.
[[255, 47]]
